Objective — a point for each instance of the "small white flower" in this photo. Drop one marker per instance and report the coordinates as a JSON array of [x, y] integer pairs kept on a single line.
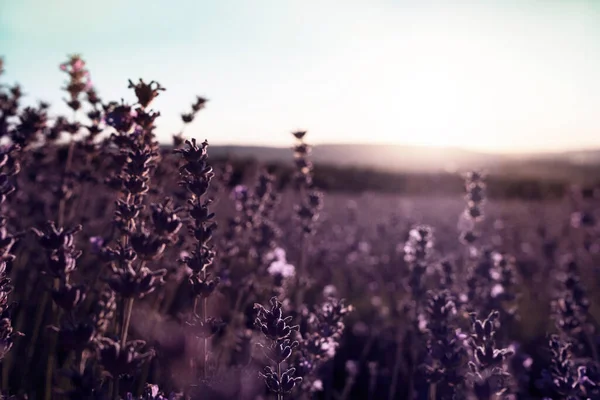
[[329, 346], [279, 253], [329, 291], [364, 247], [497, 290], [495, 274], [317, 386], [281, 267], [352, 367]]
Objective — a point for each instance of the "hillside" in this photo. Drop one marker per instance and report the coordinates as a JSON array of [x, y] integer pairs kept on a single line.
[[570, 165]]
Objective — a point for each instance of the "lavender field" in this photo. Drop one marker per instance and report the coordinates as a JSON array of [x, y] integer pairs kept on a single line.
[[133, 270]]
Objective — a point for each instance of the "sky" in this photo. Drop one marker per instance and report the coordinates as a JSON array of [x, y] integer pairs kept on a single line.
[[489, 75]]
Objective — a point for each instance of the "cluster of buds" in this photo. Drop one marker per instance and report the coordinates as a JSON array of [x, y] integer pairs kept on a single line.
[[197, 105], [135, 124], [311, 201], [196, 175], [9, 105], [278, 332], [257, 211], [308, 211], [122, 359], [10, 167], [419, 246], [166, 222], [564, 379], [188, 118], [33, 122], [584, 217], [126, 280], [504, 282], [72, 335], [446, 353], [152, 392], [103, 310], [137, 159], [138, 156], [304, 166], [121, 117], [571, 307], [487, 366], [60, 250], [475, 197], [78, 82], [146, 92], [134, 180], [324, 330], [417, 253], [447, 275], [76, 335]]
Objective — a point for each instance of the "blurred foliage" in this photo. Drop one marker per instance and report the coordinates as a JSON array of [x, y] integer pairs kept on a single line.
[[359, 179]]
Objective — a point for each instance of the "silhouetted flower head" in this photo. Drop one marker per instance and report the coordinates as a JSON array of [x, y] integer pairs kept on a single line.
[[128, 282], [146, 92], [53, 238], [119, 360], [271, 322]]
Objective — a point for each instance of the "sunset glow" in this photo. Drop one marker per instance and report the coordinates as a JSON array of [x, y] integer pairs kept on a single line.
[[501, 76]]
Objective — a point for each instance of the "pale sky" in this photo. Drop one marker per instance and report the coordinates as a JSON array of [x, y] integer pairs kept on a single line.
[[501, 76]]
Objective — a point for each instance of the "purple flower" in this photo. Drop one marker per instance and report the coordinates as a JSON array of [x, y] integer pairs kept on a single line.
[[96, 242]]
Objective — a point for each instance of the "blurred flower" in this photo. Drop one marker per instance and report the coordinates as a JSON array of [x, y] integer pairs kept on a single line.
[[96, 242], [497, 290], [317, 385], [282, 268], [330, 291]]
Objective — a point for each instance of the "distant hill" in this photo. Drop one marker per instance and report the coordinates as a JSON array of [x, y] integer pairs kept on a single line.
[[570, 165], [386, 157]]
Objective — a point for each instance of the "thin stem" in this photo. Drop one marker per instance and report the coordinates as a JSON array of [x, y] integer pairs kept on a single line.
[[363, 355], [279, 393], [39, 316], [396, 370], [432, 391], [194, 359], [128, 307], [301, 270], [68, 164], [204, 318], [205, 347], [593, 348], [70, 156], [348, 387], [61, 212], [78, 360], [115, 388], [126, 319], [52, 349]]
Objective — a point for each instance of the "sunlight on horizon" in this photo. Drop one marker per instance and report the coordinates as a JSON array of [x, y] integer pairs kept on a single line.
[[496, 76]]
